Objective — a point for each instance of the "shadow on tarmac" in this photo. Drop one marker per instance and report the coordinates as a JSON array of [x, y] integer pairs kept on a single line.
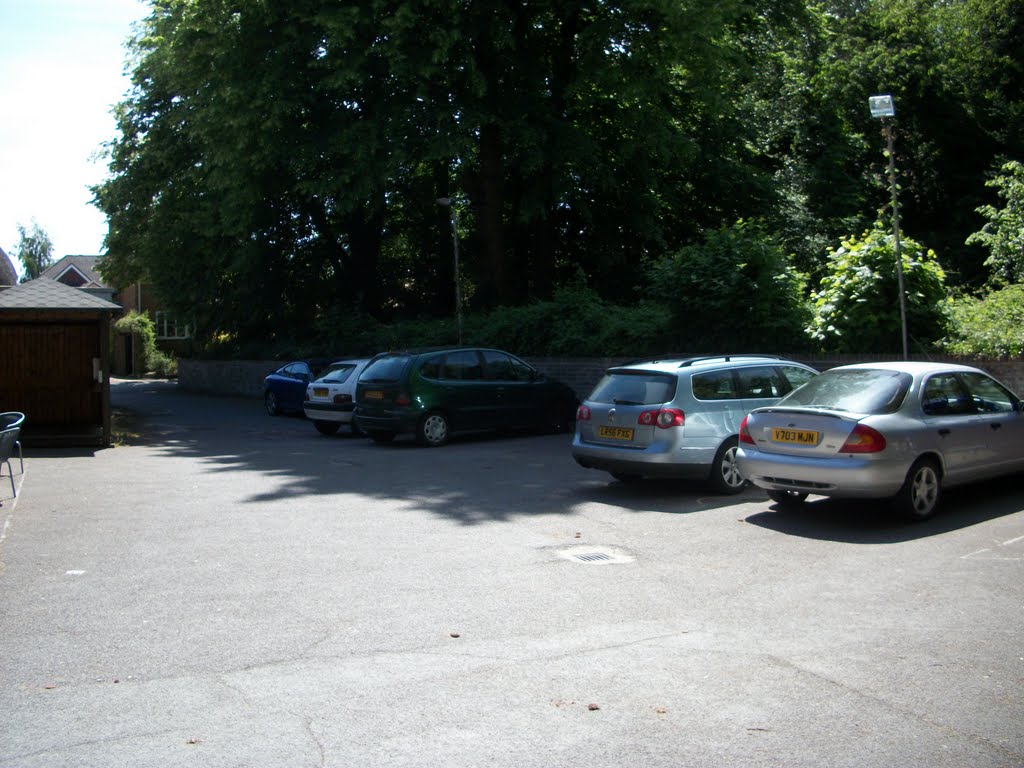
[[865, 521], [479, 478], [473, 479]]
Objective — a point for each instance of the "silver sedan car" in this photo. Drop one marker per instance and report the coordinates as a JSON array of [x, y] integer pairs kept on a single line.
[[884, 430]]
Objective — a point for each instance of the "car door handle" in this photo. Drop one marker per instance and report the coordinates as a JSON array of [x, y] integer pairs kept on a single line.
[[996, 425], [944, 432]]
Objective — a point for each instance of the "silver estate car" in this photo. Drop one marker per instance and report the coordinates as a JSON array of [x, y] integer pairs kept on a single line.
[[678, 417], [901, 431]]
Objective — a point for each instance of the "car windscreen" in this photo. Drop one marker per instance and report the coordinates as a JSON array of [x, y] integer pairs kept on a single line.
[[337, 373], [634, 388], [386, 368], [859, 390]]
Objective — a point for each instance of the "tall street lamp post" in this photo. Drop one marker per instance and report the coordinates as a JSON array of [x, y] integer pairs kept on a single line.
[[883, 107], [449, 203]]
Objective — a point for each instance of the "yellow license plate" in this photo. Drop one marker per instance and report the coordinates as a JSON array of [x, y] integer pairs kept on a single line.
[[615, 433], [320, 391], [794, 436], [373, 394]]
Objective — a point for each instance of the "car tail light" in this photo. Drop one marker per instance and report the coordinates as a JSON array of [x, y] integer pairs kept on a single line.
[[402, 399], [663, 418], [745, 432], [340, 399], [864, 439], [583, 413]]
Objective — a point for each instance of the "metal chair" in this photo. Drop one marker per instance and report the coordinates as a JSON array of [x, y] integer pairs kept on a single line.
[[14, 419], [8, 440]]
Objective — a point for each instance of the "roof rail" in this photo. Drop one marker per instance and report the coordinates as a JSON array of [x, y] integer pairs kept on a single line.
[[725, 358]]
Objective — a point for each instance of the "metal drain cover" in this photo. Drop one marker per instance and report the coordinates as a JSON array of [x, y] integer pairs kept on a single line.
[[596, 555]]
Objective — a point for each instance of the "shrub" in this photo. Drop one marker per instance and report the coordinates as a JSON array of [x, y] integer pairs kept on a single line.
[[1003, 235], [736, 291], [857, 308], [147, 357], [987, 326]]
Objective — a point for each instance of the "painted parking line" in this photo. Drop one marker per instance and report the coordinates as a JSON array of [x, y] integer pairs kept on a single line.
[[997, 552]]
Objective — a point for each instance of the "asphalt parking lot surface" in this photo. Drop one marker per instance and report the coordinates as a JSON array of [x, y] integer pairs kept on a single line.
[[223, 588]]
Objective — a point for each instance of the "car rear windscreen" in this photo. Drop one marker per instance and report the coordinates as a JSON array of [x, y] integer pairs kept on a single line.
[[388, 368], [639, 388], [861, 390]]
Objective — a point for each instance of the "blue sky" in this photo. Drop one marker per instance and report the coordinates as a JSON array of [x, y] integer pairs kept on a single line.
[[62, 68]]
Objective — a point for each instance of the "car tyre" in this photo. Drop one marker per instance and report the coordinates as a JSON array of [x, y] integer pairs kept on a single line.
[[432, 429], [626, 477], [270, 403], [356, 430], [382, 438], [725, 474], [788, 499], [921, 493], [326, 427]]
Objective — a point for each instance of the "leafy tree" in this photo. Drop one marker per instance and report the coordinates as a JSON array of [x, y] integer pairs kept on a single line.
[[954, 69], [857, 306], [1003, 236], [734, 292], [35, 249], [989, 326]]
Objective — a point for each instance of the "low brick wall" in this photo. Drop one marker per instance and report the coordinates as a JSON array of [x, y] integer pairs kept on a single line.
[[245, 377]]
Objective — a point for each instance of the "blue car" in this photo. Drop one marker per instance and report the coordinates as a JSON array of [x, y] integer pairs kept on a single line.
[[284, 390]]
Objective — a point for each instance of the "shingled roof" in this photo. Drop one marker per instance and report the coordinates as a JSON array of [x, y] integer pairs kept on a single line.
[[76, 271], [43, 293]]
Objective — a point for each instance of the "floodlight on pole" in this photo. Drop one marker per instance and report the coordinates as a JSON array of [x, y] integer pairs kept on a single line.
[[883, 107], [449, 203]]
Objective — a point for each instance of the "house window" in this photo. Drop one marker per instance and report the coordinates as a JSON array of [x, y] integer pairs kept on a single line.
[[170, 326]]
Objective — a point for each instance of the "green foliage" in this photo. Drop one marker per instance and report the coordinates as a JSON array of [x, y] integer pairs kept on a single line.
[[150, 359], [34, 249], [856, 308], [734, 292], [576, 322], [1003, 235], [987, 326], [954, 70], [277, 160]]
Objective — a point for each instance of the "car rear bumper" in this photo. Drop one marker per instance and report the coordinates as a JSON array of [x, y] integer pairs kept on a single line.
[[657, 460], [845, 476], [329, 411], [395, 422]]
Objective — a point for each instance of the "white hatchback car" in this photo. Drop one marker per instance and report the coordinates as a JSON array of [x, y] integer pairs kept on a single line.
[[901, 431], [330, 399]]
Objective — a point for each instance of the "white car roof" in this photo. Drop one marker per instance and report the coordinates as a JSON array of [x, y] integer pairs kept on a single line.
[[682, 364], [914, 368]]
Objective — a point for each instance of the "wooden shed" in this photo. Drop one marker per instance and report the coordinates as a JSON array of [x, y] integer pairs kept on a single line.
[[54, 362]]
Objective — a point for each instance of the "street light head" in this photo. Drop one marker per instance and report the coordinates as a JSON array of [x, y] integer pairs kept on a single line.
[[881, 106]]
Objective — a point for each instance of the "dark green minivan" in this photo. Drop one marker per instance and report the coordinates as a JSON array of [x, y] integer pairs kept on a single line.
[[434, 393]]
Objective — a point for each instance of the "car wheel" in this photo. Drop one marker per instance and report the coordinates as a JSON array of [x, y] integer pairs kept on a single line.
[[921, 493], [326, 427], [381, 437], [787, 498], [356, 431], [725, 475], [626, 477], [432, 429], [270, 402]]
